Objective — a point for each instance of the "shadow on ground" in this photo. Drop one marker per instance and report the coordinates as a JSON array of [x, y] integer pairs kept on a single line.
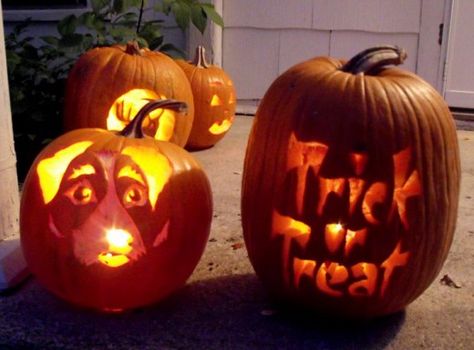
[[224, 313]]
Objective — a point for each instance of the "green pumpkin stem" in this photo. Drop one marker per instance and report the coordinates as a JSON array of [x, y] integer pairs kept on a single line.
[[200, 57], [370, 61], [135, 128]]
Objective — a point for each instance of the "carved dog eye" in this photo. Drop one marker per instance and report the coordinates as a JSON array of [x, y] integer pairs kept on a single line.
[[134, 196], [81, 193]]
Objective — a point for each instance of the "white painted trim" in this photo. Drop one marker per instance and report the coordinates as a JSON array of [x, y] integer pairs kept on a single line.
[[460, 99], [12, 263]]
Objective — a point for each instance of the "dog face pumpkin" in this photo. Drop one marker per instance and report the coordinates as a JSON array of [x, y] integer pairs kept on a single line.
[[96, 200]]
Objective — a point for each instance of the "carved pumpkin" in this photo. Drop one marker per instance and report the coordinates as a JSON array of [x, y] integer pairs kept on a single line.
[[108, 85], [350, 185], [214, 101], [114, 221]]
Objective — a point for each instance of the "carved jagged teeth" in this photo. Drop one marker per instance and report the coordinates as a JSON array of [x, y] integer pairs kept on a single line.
[[354, 238], [336, 235]]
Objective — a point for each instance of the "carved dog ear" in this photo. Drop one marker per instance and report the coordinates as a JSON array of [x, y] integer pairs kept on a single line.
[[155, 166], [51, 170]]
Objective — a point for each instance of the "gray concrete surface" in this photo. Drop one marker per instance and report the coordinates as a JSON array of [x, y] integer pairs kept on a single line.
[[223, 305]]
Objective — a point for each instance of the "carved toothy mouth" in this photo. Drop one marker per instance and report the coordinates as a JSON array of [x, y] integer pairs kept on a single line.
[[221, 127], [113, 259]]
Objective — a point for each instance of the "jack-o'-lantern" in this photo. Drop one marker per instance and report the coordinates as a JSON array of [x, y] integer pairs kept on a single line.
[[214, 101], [107, 85], [350, 185], [114, 221]]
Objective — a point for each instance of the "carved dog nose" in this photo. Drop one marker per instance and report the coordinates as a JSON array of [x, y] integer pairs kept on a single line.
[[120, 241], [120, 244]]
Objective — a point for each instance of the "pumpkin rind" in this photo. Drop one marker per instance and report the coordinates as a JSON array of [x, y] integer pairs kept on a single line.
[[169, 220], [214, 101], [312, 122], [102, 75]]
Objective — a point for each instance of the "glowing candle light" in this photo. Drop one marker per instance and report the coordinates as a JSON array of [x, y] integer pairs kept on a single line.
[[334, 236], [120, 244]]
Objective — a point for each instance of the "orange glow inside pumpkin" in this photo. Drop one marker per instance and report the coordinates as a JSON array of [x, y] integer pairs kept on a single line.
[[215, 101], [119, 242], [218, 128], [330, 276], [85, 169], [334, 235], [232, 99], [127, 106], [53, 168], [155, 167]]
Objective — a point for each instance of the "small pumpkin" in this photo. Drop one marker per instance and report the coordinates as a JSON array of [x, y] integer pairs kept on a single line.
[[114, 221], [214, 101], [108, 85], [350, 185]]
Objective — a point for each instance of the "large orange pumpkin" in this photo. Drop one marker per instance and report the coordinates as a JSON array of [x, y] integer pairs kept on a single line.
[[114, 221], [214, 101], [108, 85], [350, 185]]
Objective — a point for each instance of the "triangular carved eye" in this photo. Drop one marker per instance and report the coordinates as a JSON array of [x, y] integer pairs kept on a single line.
[[215, 101]]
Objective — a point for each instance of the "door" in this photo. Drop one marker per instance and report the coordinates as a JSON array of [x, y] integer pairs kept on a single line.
[[459, 79]]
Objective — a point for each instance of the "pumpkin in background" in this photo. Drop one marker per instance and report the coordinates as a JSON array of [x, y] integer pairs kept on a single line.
[[214, 101], [350, 185], [108, 85], [115, 221]]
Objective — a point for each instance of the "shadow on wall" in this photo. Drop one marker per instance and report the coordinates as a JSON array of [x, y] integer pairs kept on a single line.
[[231, 312]]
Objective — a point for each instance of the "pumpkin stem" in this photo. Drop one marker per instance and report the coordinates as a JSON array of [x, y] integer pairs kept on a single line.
[[370, 61], [132, 48], [200, 57], [134, 128]]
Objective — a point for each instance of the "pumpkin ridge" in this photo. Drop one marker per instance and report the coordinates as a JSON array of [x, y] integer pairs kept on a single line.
[[418, 125], [95, 78], [121, 65], [81, 75]]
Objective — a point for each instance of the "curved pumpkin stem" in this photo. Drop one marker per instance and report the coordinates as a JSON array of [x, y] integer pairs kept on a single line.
[[132, 48], [373, 59], [200, 57], [134, 128]]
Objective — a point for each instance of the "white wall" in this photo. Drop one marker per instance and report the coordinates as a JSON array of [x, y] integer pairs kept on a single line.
[[261, 39]]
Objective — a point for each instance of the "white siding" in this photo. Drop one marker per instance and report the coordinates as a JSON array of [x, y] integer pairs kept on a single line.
[[386, 16], [297, 45], [261, 39]]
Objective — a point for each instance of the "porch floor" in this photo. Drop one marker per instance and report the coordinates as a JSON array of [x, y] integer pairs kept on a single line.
[[223, 305]]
